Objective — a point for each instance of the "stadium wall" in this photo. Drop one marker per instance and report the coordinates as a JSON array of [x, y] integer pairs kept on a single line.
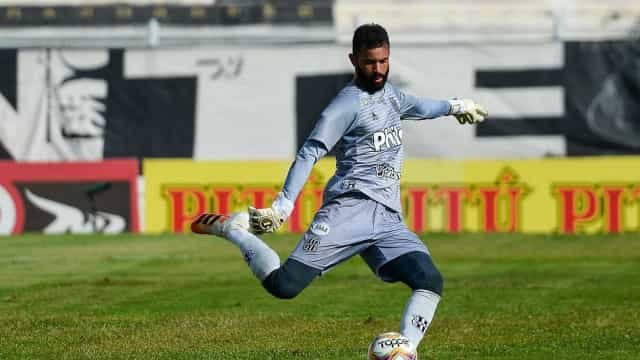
[[253, 102], [258, 102]]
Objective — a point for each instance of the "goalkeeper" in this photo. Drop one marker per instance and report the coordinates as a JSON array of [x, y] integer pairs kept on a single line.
[[361, 212]]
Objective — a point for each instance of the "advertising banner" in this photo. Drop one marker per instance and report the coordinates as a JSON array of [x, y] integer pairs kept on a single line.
[[560, 195], [91, 197]]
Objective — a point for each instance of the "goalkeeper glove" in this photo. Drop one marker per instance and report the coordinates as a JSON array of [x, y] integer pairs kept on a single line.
[[466, 111], [270, 219]]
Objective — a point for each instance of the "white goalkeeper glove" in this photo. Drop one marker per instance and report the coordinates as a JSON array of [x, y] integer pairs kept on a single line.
[[466, 111], [270, 219]]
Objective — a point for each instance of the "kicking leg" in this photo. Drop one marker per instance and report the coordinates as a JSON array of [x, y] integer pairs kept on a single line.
[[290, 279], [284, 282], [416, 270], [259, 256]]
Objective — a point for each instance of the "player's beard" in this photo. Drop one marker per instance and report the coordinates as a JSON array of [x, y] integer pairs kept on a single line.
[[367, 82]]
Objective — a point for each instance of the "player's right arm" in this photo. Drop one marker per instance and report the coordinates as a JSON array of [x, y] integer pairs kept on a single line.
[[333, 123]]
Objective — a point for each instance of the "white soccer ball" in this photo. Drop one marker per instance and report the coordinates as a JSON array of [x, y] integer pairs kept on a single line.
[[391, 346]]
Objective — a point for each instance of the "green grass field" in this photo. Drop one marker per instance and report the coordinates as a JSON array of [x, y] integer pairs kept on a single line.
[[190, 297]]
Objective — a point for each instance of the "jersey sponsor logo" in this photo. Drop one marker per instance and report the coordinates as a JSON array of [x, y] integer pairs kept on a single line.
[[387, 138], [387, 171], [368, 101], [320, 229]]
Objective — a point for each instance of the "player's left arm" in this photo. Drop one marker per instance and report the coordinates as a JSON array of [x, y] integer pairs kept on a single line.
[[466, 111], [334, 121], [271, 218]]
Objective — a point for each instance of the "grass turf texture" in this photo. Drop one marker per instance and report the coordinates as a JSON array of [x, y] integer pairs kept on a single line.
[[192, 297]]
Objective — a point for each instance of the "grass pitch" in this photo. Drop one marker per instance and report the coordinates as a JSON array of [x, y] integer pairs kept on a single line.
[[192, 297]]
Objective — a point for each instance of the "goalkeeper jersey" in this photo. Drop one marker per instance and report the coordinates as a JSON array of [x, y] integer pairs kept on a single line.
[[366, 131]]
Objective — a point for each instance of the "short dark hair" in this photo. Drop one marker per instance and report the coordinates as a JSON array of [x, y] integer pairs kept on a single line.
[[369, 36]]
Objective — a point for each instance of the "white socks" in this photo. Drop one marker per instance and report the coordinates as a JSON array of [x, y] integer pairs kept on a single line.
[[418, 314], [259, 256]]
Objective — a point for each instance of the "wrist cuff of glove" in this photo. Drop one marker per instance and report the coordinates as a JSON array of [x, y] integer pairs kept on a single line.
[[282, 206], [457, 106]]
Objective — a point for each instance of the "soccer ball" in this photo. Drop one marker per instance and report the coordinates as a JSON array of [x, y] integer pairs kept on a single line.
[[391, 346]]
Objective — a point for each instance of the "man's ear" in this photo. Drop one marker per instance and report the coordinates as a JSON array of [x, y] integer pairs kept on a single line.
[[353, 59]]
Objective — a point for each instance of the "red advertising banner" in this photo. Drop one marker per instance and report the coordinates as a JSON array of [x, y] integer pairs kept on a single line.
[[72, 197]]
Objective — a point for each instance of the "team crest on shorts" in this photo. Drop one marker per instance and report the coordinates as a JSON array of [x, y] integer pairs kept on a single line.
[[311, 244], [320, 228]]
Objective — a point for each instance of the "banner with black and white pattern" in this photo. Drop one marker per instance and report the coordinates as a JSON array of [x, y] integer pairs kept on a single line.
[[260, 102]]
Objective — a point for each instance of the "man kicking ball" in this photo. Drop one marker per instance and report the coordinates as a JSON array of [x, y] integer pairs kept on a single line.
[[361, 211]]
